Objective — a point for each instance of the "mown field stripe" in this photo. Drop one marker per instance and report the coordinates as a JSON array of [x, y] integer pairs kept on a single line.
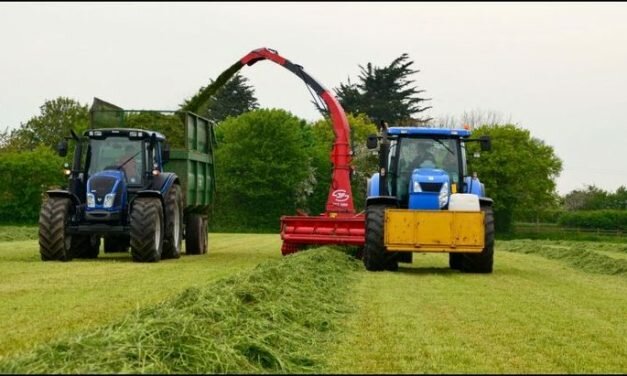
[[532, 315], [271, 319]]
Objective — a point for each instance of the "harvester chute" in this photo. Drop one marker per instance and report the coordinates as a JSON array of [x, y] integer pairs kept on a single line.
[[339, 224]]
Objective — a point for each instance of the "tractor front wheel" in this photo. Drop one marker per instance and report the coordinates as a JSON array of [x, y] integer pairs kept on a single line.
[[54, 243], [146, 229], [375, 256]]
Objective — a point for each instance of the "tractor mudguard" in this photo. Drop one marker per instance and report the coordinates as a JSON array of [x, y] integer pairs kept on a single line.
[[61, 193], [163, 182], [147, 193], [486, 201], [382, 200]]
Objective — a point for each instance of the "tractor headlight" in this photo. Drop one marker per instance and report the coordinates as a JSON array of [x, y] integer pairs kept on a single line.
[[443, 197], [91, 200], [108, 200], [417, 187]]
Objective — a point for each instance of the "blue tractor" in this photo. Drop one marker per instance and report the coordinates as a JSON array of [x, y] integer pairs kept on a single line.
[[119, 190], [423, 199]]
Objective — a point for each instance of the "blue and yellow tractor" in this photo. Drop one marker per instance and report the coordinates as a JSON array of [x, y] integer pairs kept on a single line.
[[423, 199]]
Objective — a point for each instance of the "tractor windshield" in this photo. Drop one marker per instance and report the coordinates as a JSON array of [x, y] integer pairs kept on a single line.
[[117, 153], [412, 153]]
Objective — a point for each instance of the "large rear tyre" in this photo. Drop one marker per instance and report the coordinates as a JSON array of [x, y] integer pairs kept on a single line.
[[375, 256], [173, 237], [196, 235], [147, 229], [85, 246], [482, 262], [54, 243], [455, 261]]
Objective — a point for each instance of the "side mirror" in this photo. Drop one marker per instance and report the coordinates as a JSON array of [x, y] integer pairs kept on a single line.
[[486, 143], [62, 148], [372, 141], [165, 154]]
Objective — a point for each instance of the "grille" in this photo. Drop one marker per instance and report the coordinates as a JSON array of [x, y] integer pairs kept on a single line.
[[101, 185], [431, 187]]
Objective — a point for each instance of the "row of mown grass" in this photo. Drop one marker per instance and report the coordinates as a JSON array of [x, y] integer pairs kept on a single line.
[[13, 233], [47, 300], [271, 319], [588, 256]]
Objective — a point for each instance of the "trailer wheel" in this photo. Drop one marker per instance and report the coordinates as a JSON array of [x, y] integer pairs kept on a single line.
[[173, 237], [54, 243], [146, 229], [375, 256], [85, 246], [482, 262], [195, 235]]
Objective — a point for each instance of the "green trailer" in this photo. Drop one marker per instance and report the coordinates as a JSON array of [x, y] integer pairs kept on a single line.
[[142, 180]]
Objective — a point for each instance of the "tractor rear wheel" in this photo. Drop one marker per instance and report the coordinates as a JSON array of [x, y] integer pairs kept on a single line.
[[482, 262], [116, 243], [173, 237], [455, 261], [54, 243], [146, 229], [196, 235], [85, 246], [375, 256]]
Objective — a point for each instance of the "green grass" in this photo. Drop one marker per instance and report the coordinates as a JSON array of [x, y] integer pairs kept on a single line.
[[47, 299], [549, 307], [532, 315], [271, 319], [14, 232]]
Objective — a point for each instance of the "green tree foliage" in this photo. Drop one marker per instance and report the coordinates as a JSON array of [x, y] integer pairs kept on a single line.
[[385, 94], [519, 172], [364, 161], [261, 164], [24, 177], [595, 198], [170, 125], [55, 120], [234, 98]]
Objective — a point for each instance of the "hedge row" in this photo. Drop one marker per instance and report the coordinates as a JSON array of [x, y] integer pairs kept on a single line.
[[597, 219]]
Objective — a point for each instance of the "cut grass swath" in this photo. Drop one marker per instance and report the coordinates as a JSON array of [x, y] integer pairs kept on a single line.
[[271, 319]]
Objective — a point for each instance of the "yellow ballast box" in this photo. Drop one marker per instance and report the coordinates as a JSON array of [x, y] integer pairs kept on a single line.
[[434, 231]]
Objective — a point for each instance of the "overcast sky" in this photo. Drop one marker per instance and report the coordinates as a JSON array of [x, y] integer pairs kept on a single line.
[[556, 69]]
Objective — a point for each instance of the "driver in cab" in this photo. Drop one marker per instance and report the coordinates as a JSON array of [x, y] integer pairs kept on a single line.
[[128, 164]]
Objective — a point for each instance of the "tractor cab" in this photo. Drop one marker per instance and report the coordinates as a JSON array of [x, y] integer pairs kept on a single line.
[[422, 167], [117, 163]]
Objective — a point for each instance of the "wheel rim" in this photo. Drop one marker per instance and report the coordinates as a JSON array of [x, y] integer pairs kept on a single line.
[[158, 233], [177, 227]]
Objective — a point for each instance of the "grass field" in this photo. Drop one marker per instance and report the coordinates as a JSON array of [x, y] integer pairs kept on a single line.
[[549, 307]]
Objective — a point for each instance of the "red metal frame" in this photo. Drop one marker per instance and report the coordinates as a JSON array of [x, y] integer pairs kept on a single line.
[[339, 224]]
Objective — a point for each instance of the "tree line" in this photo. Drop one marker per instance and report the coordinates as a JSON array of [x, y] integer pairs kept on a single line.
[[270, 163]]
